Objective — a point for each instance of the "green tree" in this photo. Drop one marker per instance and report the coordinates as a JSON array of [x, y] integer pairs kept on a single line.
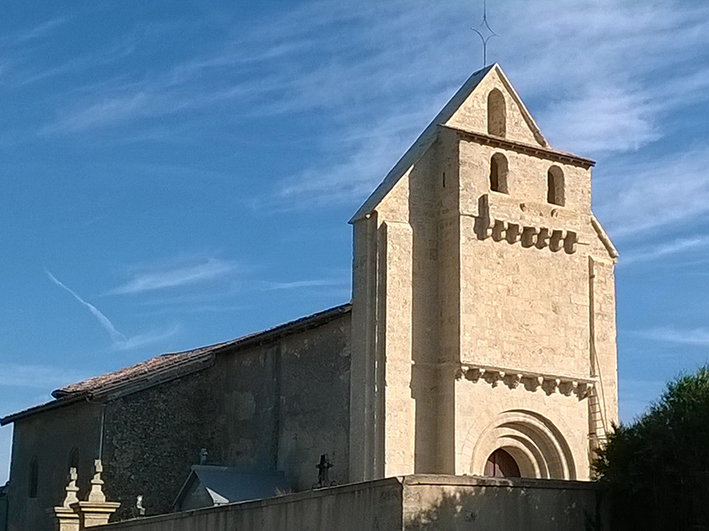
[[656, 469]]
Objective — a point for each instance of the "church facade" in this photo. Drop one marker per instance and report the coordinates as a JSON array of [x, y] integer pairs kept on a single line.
[[480, 340]]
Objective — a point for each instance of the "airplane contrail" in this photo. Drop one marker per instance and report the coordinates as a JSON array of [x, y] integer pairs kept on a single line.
[[116, 336]]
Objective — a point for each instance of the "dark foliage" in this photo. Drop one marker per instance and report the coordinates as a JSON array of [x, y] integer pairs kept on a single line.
[[656, 470]]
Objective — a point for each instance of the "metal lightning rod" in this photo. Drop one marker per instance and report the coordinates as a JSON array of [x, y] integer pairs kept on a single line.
[[485, 32]]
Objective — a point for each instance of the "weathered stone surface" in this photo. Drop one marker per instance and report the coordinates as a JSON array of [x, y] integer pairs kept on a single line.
[[512, 282]]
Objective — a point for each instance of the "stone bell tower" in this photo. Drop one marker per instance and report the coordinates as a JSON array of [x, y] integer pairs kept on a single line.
[[483, 324]]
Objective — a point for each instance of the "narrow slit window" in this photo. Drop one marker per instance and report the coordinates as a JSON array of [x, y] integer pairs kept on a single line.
[[498, 173], [74, 458], [496, 114], [555, 186], [34, 478]]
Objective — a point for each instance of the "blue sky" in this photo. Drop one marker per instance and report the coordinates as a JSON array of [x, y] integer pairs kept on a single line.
[[174, 174]]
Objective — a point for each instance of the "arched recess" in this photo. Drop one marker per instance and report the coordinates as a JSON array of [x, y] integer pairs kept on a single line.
[[499, 168], [74, 458], [33, 479], [555, 186], [496, 113], [537, 446]]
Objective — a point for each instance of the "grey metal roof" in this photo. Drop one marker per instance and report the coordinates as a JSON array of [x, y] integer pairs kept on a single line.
[[228, 485]]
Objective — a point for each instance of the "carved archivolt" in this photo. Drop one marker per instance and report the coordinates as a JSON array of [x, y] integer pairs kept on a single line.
[[536, 444]]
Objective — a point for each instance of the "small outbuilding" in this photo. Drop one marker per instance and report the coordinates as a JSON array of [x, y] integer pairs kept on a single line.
[[207, 486]]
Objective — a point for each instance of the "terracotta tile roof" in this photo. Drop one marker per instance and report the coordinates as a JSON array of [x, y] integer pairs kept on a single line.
[[164, 362], [170, 366]]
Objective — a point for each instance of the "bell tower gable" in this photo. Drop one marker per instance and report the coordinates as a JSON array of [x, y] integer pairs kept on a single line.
[[494, 108]]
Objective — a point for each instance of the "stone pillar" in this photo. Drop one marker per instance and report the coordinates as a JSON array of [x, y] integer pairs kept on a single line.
[[96, 510], [67, 519]]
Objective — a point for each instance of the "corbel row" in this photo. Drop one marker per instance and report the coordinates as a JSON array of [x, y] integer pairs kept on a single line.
[[539, 237], [550, 384]]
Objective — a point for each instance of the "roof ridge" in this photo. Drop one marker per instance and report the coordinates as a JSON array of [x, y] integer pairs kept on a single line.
[[168, 363]]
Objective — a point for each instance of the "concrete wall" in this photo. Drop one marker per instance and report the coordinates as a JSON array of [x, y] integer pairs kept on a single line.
[[403, 503]]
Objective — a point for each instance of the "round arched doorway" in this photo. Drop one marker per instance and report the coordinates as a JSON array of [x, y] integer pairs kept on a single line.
[[522, 443], [500, 464]]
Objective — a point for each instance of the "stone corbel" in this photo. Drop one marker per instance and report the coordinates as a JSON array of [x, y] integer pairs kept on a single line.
[[556, 240], [494, 377], [514, 233], [529, 236], [543, 237], [499, 231], [571, 242], [513, 380]]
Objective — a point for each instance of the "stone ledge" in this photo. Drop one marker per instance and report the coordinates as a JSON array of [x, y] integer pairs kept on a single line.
[[532, 381]]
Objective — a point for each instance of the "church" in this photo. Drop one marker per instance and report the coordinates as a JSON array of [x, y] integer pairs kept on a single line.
[[480, 341]]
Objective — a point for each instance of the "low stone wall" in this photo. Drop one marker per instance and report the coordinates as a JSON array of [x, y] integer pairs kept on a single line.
[[407, 503], [454, 503], [371, 505]]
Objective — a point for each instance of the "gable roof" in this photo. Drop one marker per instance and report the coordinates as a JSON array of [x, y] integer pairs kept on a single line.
[[429, 135], [166, 367]]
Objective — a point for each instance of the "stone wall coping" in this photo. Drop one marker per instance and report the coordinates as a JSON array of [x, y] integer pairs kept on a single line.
[[276, 500], [481, 481], [401, 481]]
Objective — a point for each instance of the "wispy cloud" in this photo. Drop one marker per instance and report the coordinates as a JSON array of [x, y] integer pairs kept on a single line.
[[148, 338], [665, 249], [695, 336], [162, 278], [120, 341], [35, 32], [639, 196], [107, 325], [378, 72], [298, 284], [37, 376]]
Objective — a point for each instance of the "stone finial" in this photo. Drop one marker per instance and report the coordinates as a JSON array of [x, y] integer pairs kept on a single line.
[[67, 519], [71, 489], [96, 495], [96, 510]]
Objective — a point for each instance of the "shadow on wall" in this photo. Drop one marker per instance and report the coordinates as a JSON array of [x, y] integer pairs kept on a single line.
[[505, 508]]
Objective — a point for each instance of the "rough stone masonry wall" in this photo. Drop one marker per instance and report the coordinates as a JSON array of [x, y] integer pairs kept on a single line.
[[274, 406]]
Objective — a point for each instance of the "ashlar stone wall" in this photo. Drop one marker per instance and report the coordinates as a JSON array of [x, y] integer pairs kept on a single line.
[[483, 309]]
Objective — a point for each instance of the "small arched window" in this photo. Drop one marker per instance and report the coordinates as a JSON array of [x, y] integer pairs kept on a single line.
[[74, 458], [33, 482], [496, 114], [555, 186], [498, 173]]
